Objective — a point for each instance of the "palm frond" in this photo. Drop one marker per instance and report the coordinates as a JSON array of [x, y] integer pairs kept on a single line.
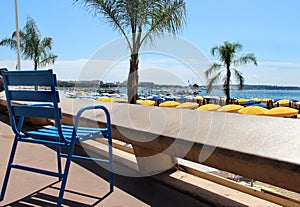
[[22, 37], [113, 12], [50, 59], [226, 87], [245, 59], [213, 81], [31, 28], [47, 42], [153, 18], [215, 50], [173, 16], [214, 67], [237, 46], [9, 42], [166, 16], [239, 77]]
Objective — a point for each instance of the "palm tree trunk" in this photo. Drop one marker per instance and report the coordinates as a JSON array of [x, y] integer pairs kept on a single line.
[[227, 85], [35, 65], [35, 68], [132, 84]]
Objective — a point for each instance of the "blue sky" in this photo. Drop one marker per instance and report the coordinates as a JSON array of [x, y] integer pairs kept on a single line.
[[268, 28]]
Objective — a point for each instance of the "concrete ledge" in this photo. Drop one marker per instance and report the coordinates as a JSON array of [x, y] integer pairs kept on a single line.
[[262, 148]]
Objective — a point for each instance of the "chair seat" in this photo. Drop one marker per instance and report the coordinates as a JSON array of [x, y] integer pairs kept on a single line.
[[83, 133]]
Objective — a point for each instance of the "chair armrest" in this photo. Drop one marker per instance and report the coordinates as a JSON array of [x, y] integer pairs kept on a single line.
[[85, 108]]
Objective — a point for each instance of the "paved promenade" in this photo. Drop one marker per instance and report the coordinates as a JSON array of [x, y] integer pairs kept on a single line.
[[87, 184]]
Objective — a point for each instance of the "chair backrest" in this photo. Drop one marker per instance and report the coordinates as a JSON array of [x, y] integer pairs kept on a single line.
[[35, 91]]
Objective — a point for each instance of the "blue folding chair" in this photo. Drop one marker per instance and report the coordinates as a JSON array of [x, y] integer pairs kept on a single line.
[[43, 103]]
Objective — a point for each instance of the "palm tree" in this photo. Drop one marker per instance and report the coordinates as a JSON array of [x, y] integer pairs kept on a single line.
[[32, 46], [227, 57], [138, 21]]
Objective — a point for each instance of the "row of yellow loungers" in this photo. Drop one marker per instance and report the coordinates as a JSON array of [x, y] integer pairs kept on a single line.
[[281, 111]]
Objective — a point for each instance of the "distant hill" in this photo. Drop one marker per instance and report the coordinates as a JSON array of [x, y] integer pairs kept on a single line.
[[152, 85], [268, 87], [257, 87]]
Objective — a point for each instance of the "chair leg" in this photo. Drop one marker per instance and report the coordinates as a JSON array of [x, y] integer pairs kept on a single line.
[[65, 175], [58, 153], [111, 177], [8, 170], [111, 173]]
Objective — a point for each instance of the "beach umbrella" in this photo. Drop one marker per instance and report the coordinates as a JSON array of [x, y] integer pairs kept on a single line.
[[169, 104], [209, 107], [199, 98], [276, 99], [242, 100], [212, 99], [250, 102], [256, 99], [155, 97], [146, 102], [261, 105], [231, 108], [105, 99], [169, 98], [188, 105], [282, 111], [283, 102], [254, 110]]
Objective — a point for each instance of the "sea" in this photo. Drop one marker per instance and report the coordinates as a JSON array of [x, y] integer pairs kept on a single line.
[[293, 95]]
